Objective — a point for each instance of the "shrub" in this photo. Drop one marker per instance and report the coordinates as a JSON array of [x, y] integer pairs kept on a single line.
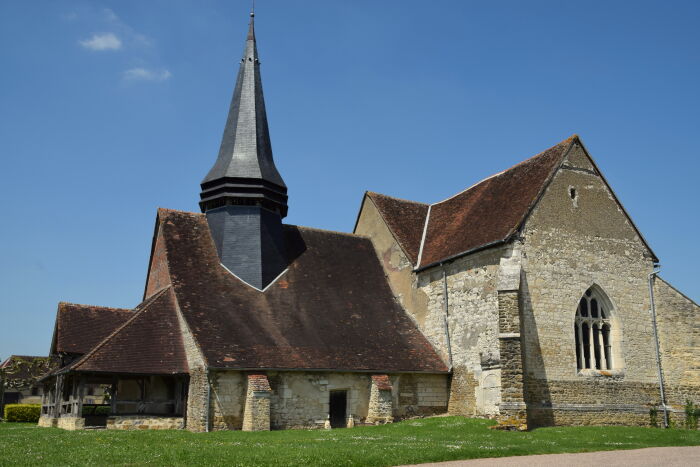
[[654, 417], [22, 413], [692, 412]]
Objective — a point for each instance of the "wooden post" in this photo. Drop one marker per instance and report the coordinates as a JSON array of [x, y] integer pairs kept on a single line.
[[178, 396], [80, 391], [58, 398], [113, 399]]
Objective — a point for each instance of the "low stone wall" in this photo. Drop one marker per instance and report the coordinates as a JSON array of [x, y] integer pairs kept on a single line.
[[71, 423], [144, 422], [581, 415], [48, 422]]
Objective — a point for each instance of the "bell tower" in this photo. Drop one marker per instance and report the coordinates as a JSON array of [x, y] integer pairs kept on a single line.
[[243, 195]]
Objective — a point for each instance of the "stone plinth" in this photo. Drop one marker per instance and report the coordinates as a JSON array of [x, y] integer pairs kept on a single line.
[[380, 401], [71, 423], [256, 415]]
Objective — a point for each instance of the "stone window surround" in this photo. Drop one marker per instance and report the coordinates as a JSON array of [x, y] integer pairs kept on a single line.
[[617, 369]]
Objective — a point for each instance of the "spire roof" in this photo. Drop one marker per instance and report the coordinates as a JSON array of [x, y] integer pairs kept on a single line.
[[245, 167]]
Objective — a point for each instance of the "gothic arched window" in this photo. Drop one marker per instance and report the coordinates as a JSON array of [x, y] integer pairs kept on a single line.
[[593, 330]]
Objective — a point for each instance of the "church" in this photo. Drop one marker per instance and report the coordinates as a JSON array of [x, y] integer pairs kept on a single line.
[[530, 298]]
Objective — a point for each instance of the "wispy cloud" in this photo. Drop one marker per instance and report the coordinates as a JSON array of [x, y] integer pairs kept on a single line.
[[144, 74], [103, 41]]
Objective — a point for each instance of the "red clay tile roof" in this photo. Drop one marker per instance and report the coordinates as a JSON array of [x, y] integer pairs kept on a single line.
[[150, 342], [486, 213], [405, 219], [79, 328], [331, 309], [491, 210]]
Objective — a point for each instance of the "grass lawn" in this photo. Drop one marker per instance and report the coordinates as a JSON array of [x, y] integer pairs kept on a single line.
[[413, 441]]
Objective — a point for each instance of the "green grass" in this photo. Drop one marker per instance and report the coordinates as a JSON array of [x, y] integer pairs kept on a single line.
[[413, 441]]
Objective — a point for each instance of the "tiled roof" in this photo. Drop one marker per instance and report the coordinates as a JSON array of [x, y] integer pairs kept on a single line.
[[483, 214], [150, 342], [491, 210], [331, 309], [405, 219], [81, 327]]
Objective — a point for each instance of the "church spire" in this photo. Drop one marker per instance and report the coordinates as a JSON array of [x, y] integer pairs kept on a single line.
[[244, 172], [243, 195]]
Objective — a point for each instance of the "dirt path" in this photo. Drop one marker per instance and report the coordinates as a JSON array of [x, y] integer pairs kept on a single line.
[[684, 456]]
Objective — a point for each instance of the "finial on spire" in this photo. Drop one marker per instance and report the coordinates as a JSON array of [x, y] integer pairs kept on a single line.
[[251, 32]]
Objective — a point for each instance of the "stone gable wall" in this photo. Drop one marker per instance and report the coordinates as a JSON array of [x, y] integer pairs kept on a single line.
[[399, 271], [578, 236]]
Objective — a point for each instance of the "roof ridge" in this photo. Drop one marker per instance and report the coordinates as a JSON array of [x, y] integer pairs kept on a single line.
[[566, 141], [103, 308], [138, 313], [348, 234], [179, 211], [397, 199]]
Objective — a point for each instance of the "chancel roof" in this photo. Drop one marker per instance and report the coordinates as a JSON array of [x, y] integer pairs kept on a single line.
[[484, 214]]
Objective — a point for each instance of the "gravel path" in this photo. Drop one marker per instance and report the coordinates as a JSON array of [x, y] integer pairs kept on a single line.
[[668, 457]]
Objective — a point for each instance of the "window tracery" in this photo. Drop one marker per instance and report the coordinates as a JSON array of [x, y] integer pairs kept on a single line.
[[593, 333]]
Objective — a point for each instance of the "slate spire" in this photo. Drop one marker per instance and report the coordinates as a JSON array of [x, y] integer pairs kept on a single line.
[[244, 172], [243, 195]]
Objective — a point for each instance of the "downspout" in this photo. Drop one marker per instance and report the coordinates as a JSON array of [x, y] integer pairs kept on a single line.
[[446, 303], [208, 400], [652, 276]]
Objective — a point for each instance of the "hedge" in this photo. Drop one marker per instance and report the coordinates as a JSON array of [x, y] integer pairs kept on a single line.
[[22, 413]]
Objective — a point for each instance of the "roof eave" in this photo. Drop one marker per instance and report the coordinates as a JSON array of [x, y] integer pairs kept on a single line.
[[464, 253], [329, 370]]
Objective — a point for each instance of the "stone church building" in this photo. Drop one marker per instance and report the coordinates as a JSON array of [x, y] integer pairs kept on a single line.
[[530, 297]]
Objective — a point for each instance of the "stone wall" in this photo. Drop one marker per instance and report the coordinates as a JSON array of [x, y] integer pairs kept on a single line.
[[228, 393], [472, 319], [144, 422], [300, 399], [198, 388], [576, 237], [678, 320]]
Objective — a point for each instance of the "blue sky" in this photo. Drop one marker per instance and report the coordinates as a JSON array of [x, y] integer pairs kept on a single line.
[[111, 109]]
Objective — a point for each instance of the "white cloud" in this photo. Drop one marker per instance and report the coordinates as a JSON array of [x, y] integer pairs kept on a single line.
[[144, 74], [104, 41]]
